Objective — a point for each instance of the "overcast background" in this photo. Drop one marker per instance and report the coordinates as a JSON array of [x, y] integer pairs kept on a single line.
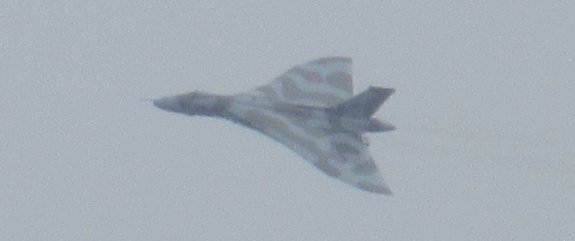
[[485, 110]]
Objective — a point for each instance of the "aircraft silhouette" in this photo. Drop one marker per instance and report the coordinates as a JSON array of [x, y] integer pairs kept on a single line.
[[311, 110]]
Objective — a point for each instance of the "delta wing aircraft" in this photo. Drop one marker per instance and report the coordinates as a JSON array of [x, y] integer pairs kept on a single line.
[[311, 110]]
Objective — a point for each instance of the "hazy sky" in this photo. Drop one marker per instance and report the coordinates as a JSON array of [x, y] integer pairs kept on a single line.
[[485, 111]]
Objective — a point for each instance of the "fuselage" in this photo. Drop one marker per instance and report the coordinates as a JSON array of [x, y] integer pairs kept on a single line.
[[235, 107]]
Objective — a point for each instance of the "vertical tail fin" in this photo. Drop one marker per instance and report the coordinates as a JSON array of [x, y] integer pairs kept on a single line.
[[364, 104]]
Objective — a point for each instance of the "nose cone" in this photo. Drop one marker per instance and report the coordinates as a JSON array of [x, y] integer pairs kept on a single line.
[[169, 104]]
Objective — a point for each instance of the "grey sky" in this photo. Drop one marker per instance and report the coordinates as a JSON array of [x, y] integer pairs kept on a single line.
[[484, 108]]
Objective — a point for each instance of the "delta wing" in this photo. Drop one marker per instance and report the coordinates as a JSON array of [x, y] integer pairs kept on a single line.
[[324, 82]]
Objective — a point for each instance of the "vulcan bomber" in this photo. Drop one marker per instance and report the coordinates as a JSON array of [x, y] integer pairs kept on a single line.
[[311, 110]]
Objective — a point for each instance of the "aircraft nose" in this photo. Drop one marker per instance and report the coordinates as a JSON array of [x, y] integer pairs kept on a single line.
[[160, 103], [167, 103]]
